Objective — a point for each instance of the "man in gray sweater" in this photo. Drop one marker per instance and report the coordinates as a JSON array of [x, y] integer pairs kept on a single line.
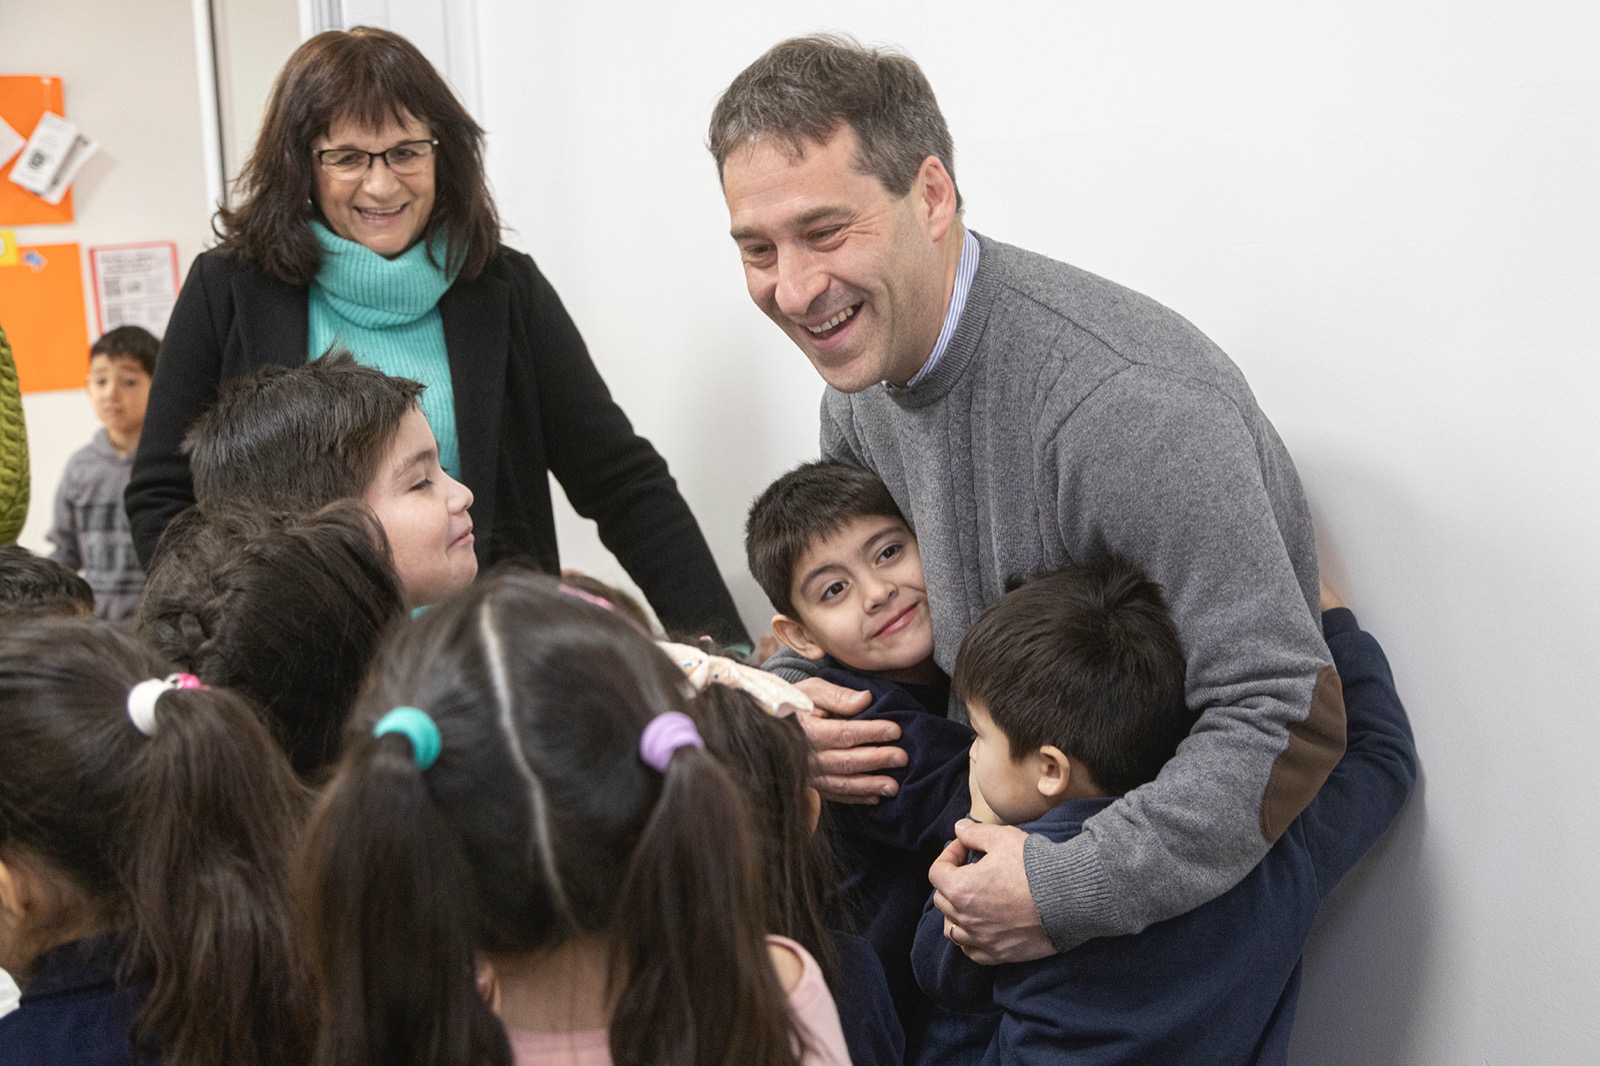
[[1026, 414]]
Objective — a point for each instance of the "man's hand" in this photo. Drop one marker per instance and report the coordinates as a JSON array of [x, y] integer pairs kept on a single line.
[[988, 910], [847, 753]]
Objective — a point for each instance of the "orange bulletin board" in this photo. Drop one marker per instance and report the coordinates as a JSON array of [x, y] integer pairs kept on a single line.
[[42, 311], [23, 98]]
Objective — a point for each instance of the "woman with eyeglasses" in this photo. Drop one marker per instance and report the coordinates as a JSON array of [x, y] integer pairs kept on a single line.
[[363, 218]]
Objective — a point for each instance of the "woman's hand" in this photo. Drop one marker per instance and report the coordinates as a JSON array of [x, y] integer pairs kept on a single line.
[[846, 753]]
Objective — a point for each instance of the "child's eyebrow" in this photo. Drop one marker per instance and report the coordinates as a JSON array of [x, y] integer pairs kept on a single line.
[[425, 455], [817, 571]]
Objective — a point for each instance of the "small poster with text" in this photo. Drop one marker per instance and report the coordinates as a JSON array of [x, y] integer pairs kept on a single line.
[[135, 284]]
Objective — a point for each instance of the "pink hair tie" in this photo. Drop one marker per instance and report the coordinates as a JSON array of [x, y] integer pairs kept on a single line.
[[587, 597], [143, 696], [665, 734]]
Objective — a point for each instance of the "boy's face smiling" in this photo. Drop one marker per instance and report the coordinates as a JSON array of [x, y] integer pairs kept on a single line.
[[423, 512], [861, 598]]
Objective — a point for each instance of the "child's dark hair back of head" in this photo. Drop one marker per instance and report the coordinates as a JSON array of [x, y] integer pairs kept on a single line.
[[286, 609], [538, 822], [129, 342], [32, 585], [1086, 658], [770, 759], [808, 503], [298, 439], [166, 816]]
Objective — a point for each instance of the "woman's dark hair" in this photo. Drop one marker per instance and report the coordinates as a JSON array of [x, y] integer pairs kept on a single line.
[[770, 760], [538, 822], [287, 609], [371, 76], [180, 838]]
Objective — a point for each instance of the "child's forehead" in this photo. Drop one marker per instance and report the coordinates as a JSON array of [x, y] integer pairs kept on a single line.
[[115, 361], [846, 541]]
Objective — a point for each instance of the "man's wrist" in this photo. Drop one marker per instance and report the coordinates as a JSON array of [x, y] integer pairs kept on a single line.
[[1070, 890]]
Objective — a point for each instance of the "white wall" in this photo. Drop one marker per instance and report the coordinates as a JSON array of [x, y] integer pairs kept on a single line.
[[131, 82], [1387, 214]]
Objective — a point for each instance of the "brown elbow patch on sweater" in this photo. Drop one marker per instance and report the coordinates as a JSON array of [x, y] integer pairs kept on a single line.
[[1315, 746]]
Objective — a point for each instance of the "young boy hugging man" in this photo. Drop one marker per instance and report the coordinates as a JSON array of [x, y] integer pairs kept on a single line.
[[297, 439], [1074, 683], [838, 560], [90, 532]]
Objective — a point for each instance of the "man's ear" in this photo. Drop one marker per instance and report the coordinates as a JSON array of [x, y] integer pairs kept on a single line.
[[935, 191], [796, 637], [1055, 772]]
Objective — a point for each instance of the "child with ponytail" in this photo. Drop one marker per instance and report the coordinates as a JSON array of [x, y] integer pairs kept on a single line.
[[525, 821], [768, 756], [145, 830]]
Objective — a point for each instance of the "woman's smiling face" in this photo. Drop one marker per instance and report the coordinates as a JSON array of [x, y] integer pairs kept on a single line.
[[380, 210]]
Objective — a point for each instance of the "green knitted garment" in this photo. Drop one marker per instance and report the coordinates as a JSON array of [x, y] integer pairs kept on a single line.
[[13, 449], [386, 311]]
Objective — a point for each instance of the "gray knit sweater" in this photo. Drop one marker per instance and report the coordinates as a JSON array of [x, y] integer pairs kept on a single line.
[[1070, 414], [91, 528]]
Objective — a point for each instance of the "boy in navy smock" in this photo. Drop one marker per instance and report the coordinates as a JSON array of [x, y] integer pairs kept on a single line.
[[1074, 683], [840, 563]]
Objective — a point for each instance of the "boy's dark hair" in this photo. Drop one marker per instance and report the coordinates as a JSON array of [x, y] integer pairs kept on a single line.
[[298, 439], [35, 586], [1086, 658], [809, 502], [129, 342], [286, 609]]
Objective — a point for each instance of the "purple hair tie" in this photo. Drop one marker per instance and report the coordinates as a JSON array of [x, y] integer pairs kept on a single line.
[[665, 734]]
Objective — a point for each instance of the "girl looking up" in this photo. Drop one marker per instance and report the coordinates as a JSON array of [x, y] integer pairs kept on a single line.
[[524, 817], [145, 830]]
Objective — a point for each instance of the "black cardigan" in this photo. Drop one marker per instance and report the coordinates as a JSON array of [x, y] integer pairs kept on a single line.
[[529, 402]]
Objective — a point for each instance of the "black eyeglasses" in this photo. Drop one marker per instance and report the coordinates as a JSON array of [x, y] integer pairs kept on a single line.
[[348, 164]]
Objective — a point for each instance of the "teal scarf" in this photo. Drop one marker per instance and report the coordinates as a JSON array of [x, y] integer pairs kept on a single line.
[[386, 311]]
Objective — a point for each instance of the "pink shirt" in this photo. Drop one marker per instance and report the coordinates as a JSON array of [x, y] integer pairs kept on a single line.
[[810, 1001]]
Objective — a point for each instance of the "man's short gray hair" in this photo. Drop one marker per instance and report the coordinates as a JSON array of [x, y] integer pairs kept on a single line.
[[805, 88]]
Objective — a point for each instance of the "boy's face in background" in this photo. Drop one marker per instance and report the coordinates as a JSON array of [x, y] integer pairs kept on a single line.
[[862, 598], [119, 388], [1009, 787], [423, 512]]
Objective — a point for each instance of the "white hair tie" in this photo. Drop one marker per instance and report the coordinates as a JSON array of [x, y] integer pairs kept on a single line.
[[143, 696]]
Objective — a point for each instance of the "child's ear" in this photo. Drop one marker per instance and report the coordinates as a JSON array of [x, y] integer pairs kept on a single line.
[[796, 637], [1055, 772], [488, 984], [11, 890]]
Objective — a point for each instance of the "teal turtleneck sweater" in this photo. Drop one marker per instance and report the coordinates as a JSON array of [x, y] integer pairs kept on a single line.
[[386, 311]]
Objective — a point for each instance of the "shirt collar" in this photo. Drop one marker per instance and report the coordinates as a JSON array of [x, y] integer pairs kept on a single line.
[[967, 267]]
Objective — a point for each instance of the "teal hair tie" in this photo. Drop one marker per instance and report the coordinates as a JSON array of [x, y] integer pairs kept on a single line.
[[418, 728]]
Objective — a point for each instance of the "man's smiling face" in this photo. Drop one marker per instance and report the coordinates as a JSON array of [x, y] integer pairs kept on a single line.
[[856, 277]]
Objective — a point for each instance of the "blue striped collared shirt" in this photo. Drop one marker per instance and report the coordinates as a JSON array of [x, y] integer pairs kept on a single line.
[[958, 302]]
